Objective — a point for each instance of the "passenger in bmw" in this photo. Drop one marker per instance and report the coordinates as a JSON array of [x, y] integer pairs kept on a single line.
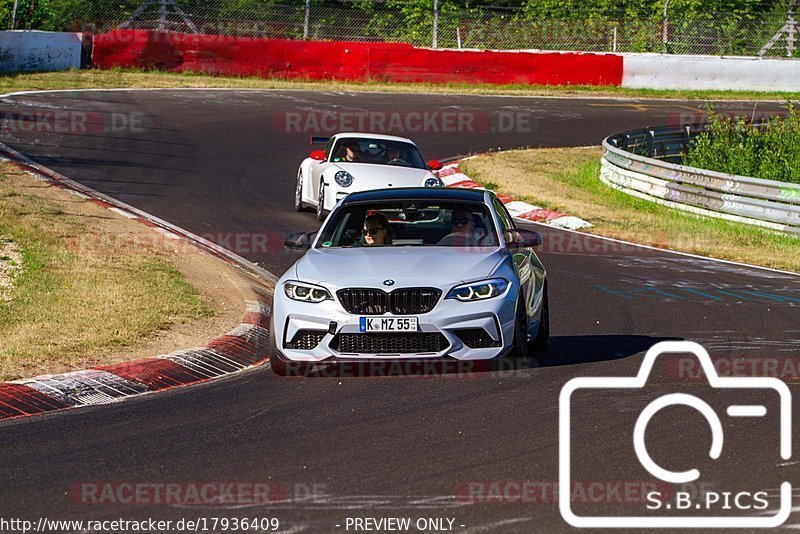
[[377, 231]]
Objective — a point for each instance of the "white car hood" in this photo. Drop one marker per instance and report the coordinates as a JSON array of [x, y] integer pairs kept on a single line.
[[369, 175], [407, 266]]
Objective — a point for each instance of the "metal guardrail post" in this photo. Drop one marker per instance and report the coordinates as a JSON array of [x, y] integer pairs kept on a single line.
[[650, 140], [435, 23], [14, 16], [665, 29], [306, 19]]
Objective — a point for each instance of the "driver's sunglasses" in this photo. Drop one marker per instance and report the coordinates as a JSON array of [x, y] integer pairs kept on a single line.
[[461, 222], [371, 231]]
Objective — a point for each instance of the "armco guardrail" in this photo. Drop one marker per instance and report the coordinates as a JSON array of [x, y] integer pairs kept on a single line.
[[646, 164]]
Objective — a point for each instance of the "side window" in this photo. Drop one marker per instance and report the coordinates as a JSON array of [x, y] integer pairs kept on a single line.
[[506, 221], [328, 148]]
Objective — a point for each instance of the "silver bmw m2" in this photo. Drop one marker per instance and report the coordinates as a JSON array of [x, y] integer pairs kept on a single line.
[[418, 273]]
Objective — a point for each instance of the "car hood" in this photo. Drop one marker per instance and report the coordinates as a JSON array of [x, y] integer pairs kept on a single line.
[[407, 266], [370, 175]]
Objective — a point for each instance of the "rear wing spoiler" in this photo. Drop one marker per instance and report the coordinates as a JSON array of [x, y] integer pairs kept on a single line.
[[314, 140]]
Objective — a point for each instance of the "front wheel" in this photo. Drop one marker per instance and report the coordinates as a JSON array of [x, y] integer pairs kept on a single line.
[[299, 205], [542, 340], [520, 348], [321, 202]]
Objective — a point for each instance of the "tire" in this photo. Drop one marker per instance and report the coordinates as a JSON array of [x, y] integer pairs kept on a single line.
[[520, 348], [321, 202], [299, 205], [542, 340], [281, 367]]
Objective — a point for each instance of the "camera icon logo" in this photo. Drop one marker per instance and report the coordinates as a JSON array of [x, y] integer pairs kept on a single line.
[[647, 462]]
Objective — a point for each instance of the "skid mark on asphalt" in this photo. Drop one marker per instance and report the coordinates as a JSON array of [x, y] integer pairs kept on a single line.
[[774, 495], [351, 502], [722, 343], [294, 529], [692, 265], [497, 524], [666, 291]]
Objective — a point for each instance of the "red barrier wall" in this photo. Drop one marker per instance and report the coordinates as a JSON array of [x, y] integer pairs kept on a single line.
[[348, 61]]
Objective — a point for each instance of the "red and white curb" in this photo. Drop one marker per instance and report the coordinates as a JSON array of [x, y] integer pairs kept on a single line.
[[244, 347], [452, 176]]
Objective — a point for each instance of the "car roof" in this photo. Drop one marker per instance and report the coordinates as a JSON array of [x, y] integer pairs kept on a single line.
[[416, 193], [383, 137]]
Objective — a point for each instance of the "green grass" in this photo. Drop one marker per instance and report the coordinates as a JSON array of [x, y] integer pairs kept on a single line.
[[568, 180], [72, 304], [119, 78], [733, 146]]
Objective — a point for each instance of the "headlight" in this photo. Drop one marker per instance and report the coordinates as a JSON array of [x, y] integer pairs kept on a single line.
[[343, 178], [482, 290], [306, 292], [434, 182]]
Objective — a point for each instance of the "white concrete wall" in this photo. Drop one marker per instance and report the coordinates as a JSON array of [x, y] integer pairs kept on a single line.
[[39, 51], [656, 71]]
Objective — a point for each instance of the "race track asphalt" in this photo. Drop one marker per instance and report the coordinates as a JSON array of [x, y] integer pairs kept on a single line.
[[222, 164]]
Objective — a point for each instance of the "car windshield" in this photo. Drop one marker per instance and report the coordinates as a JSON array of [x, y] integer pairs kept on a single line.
[[377, 151], [410, 223]]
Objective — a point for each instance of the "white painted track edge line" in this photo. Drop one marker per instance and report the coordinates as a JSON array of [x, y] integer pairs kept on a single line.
[[490, 95], [614, 240], [667, 251], [200, 242]]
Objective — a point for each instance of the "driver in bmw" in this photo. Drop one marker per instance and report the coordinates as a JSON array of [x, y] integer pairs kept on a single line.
[[376, 231], [464, 229]]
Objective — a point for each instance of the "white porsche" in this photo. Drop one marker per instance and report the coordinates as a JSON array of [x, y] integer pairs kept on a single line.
[[354, 162]]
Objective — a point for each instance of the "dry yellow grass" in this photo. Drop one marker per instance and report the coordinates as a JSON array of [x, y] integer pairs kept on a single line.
[[10, 266], [77, 295], [568, 180]]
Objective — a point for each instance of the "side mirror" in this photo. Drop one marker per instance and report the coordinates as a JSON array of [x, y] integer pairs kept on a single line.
[[317, 155], [524, 239], [300, 240], [435, 165]]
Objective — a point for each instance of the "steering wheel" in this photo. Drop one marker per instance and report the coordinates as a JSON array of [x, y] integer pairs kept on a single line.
[[458, 240], [397, 161]]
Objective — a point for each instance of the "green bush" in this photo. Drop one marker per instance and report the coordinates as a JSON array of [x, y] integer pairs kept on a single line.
[[733, 145], [732, 27]]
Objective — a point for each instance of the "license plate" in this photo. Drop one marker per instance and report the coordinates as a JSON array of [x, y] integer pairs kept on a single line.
[[387, 324]]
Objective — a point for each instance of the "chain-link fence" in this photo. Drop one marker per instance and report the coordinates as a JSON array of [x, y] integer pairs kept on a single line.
[[668, 27]]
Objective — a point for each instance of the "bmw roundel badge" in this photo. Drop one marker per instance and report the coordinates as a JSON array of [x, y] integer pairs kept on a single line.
[[389, 282]]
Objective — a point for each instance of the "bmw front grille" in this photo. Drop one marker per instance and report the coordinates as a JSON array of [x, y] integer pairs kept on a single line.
[[405, 301]]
